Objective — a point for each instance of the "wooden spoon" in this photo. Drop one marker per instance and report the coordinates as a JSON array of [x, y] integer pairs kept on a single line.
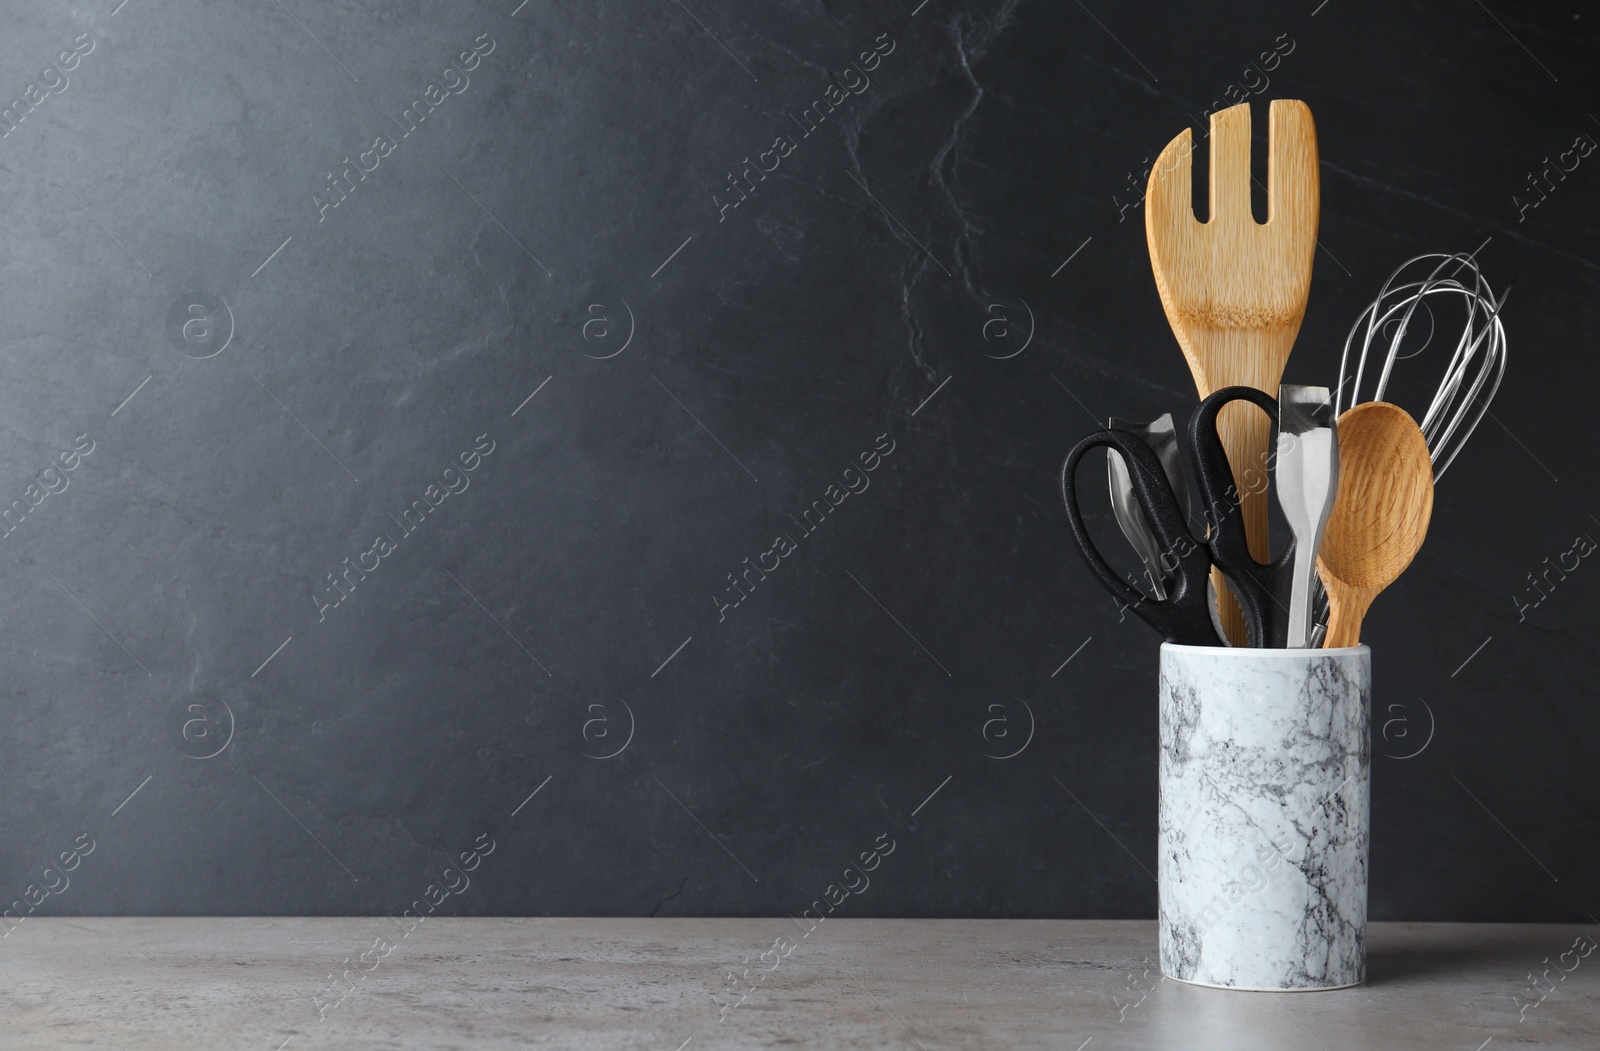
[[1235, 290], [1380, 516]]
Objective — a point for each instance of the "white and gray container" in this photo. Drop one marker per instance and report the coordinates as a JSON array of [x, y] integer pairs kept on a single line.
[[1265, 768]]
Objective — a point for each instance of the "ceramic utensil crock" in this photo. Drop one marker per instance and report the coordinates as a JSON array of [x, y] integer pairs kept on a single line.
[[1265, 773]]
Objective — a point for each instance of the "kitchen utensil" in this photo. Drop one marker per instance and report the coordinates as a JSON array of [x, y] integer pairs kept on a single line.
[[1307, 476], [1472, 374], [1260, 590], [1380, 516], [1162, 437], [1184, 615], [1235, 290]]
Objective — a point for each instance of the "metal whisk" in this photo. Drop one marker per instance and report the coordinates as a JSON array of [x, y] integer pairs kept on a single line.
[[1471, 377], [1476, 366]]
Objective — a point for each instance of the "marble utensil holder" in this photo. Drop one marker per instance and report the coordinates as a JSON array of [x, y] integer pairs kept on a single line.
[[1265, 768]]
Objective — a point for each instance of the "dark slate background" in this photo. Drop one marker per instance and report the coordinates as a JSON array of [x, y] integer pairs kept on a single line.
[[526, 627]]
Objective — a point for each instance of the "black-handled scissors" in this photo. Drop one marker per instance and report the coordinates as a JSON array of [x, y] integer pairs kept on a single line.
[[1184, 617], [1262, 589]]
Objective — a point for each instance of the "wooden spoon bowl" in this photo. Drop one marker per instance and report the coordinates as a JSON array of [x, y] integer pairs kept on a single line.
[[1380, 516]]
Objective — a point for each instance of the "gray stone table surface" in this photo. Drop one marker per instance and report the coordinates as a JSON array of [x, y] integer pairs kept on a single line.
[[255, 983]]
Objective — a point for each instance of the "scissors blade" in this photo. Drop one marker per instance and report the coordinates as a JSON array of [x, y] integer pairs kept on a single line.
[[1182, 616], [1161, 435]]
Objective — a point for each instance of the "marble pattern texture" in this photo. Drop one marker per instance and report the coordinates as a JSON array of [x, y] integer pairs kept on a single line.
[[1265, 780]]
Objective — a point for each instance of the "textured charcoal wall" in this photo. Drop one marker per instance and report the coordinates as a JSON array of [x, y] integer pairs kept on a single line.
[[431, 375]]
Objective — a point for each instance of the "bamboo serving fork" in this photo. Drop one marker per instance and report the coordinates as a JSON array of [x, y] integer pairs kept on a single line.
[[1235, 290]]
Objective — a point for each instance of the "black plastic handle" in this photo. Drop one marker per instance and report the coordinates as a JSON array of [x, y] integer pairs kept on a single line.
[[1262, 588], [1183, 617]]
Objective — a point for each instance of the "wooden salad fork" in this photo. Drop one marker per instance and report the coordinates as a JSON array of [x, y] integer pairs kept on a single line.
[[1235, 290]]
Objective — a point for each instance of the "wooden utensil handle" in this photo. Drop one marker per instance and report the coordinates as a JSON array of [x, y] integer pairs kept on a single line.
[[1245, 432], [1347, 608]]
